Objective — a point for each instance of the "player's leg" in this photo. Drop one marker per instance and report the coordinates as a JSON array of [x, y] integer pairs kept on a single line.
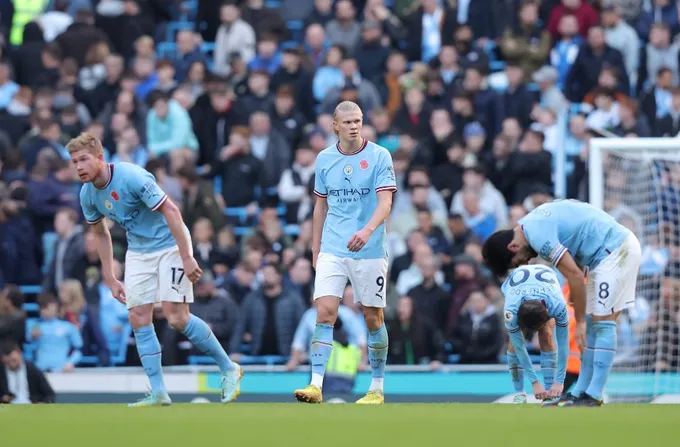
[[546, 341], [141, 293], [614, 283], [177, 293], [517, 375], [369, 281], [329, 285]]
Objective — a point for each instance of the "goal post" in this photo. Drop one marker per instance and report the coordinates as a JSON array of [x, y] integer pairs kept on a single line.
[[637, 180]]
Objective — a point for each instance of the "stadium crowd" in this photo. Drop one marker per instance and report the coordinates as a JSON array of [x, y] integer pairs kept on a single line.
[[228, 103]]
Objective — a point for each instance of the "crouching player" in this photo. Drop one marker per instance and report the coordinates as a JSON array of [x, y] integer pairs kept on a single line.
[[159, 263], [533, 299], [577, 237]]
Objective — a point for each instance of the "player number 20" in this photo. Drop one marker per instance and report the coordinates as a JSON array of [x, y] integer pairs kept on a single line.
[[175, 271], [380, 282], [521, 275]]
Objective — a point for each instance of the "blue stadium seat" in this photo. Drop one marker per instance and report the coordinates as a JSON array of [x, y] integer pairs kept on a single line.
[[497, 66], [296, 27], [273, 4], [166, 50], [292, 230], [30, 290], [31, 308]]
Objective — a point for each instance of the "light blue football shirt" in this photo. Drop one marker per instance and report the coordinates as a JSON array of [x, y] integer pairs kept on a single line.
[[130, 199], [588, 233], [536, 282], [350, 183]]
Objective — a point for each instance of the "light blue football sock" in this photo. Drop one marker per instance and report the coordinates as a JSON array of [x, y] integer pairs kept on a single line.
[[516, 372], [378, 344], [322, 346], [603, 358], [200, 334], [586, 372], [149, 350], [548, 367]]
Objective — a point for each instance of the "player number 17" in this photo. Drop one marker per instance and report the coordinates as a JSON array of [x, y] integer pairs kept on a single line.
[[175, 270]]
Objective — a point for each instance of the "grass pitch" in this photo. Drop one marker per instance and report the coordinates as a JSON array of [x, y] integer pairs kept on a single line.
[[345, 425]]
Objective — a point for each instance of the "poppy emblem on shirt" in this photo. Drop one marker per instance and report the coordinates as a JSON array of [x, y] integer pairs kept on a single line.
[[363, 164], [115, 196]]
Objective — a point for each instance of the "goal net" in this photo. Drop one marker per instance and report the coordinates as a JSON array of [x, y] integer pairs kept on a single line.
[[637, 180]]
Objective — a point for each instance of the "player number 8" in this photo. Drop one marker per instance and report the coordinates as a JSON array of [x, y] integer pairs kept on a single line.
[[603, 293]]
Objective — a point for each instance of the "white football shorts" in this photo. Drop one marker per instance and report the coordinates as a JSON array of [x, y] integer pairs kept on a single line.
[[155, 277], [367, 276], [611, 285]]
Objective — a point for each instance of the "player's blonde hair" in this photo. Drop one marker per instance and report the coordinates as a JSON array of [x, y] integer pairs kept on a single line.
[[346, 106], [85, 141]]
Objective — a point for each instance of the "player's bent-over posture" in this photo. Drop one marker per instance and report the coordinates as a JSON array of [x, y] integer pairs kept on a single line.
[[159, 264], [533, 301], [354, 184], [577, 237]]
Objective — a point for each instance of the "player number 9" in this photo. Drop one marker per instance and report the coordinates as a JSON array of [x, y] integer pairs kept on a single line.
[[380, 282]]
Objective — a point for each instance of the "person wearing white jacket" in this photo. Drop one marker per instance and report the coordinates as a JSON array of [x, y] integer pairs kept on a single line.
[[233, 36]]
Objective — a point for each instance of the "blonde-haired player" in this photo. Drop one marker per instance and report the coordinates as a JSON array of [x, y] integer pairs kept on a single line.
[[354, 184], [159, 263]]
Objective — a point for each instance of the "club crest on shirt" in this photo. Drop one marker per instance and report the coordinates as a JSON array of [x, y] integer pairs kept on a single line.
[[348, 169], [108, 204], [509, 316], [363, 164]]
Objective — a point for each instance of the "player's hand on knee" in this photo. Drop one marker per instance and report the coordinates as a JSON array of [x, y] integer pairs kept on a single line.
[[117, 290], [192, 270], [539, 390], [555, 390], [359, 240]]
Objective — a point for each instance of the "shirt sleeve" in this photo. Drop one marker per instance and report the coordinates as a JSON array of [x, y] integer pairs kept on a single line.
[[320, 188], [91, 213], [143, 186], [519, 345], [385, 178], [541, 233]]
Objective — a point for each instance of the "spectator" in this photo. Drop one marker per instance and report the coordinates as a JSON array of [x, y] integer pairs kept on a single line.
[[622, 36], [429, 27], [477, 335], [234, 35], [592, 56], [169, 130], [12, 316], [270, 315], [85, 317], [414, 340], [58, 343], [69, 252], [529, 44], [20, 381], [189, 52], [585, 14], [344, 28]]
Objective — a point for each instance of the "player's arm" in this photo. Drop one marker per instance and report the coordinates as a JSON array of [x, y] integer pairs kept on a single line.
[[386, 185], [104, 250], [562, 335], [320, 210], [576, 279], [318, 220], [520, 347], [175, 221]]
